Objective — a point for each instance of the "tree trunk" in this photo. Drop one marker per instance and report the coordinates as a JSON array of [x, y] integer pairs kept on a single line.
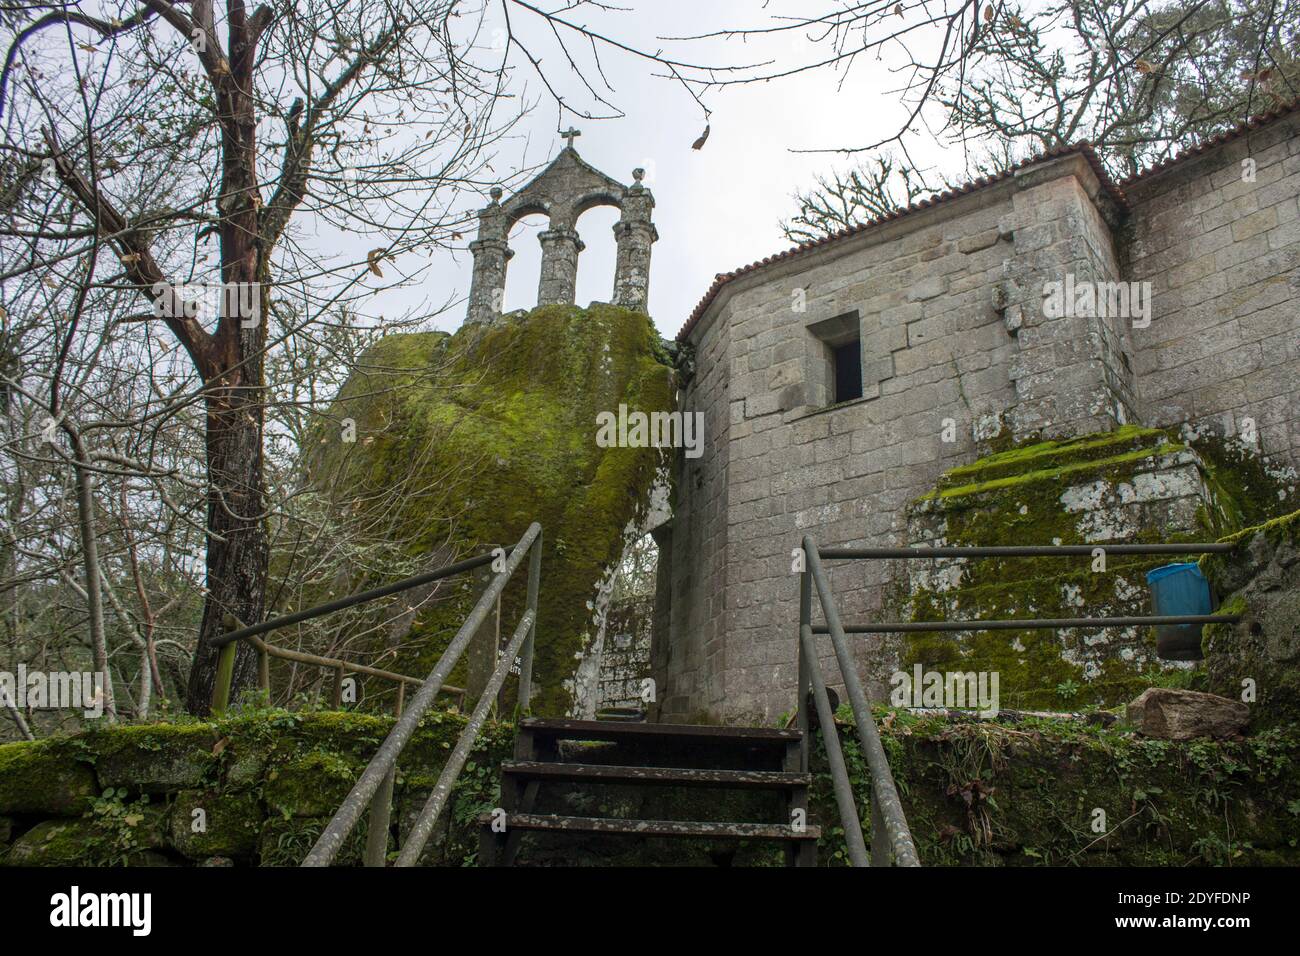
[[90, 555], [237, 549]]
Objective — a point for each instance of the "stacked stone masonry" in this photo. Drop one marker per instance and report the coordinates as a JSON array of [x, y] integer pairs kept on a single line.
[[957, 350]]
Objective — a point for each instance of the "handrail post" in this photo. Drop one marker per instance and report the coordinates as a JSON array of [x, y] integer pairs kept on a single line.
[[805, 687], [840, 783], [883, 791], [337, 696], [526, 661], [385, 759], [881, 852], [225, 676], [381, 808]]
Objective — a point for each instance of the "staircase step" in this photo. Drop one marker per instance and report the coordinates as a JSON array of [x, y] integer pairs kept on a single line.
[[655, 828], [614, 730], [662, 776]]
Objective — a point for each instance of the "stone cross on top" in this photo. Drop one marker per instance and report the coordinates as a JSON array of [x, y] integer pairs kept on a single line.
[[563, 191]]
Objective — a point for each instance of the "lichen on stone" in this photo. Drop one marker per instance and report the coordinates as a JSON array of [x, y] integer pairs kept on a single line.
[[1131, 485]]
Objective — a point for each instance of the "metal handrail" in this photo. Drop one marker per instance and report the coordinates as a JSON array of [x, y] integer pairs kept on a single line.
[[1028, 551], [886, 809], [340, 667], [235, 631], [887, 812], [374, 787]]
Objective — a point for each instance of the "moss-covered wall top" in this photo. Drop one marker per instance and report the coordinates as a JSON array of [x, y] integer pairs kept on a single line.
[[257, 789], [503, 419], [1074, 793], [253, 788]]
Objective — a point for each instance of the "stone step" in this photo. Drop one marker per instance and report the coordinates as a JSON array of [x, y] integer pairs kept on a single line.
[[655, 776], [554, 823], [1067, 455], [618, 731]]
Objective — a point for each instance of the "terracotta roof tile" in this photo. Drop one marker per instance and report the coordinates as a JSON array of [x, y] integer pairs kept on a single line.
[[1085, 149]]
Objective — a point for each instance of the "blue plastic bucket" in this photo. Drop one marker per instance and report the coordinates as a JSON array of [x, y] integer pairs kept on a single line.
[[1179, 589]]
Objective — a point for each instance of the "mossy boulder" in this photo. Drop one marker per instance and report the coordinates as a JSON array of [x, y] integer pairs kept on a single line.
[[44, 777], [53, 843], [501, 421], [123, 836], [310, 784], [1258, 659]]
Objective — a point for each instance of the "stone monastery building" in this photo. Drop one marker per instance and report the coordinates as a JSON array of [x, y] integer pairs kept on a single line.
[[843, 381]]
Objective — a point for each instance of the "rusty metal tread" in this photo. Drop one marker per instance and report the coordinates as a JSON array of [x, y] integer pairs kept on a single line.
[[622, 730], [666, 776], [655, 828]]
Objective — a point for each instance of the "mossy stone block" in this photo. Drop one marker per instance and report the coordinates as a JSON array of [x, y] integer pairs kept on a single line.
[[40, 777], [309, 784], [206, 823], [53, 843], [154, 758]]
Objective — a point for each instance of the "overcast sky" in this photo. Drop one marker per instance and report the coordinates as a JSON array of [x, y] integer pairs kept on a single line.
[[717, 208]]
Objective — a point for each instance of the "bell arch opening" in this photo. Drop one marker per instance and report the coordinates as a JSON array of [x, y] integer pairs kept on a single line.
[[526, 260], [595, 225]]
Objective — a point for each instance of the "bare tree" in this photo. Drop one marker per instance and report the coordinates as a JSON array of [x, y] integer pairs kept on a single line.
[[186, 142], [1138, 79]]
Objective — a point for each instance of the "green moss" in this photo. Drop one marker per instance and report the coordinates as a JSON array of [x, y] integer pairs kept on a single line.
[[44, 777], [974, 793], [112, 832], [153, 758], [53, 843], [1283, 530], [986, 793], [1050, 458], [503, 421], [205, 824], [309, 784], [1243, 491], [1015, 498]]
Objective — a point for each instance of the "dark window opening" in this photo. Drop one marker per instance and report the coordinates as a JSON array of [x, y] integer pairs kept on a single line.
[[847, 359]]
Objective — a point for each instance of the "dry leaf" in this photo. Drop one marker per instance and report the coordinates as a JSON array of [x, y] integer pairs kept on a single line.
[[372, 260], [704, 138], [220, 745], [1143, 66], [988, 14]]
